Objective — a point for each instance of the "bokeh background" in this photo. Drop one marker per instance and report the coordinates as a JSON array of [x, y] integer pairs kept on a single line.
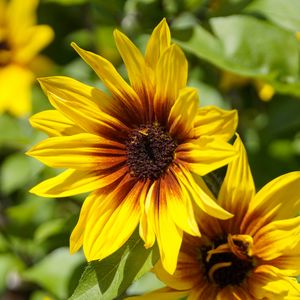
[[242, 54]]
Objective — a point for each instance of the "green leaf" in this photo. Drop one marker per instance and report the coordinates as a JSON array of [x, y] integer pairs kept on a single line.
[[88, 288], [204, 45], [110, 277], [17, 170], [248, 44], [14, 132], [245, 45], [49, 228], [55, 271], [281, 12], [33, 209]]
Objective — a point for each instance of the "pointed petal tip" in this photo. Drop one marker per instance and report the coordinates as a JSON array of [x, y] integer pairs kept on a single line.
[[117, 32], [74, 246], [225, 215], [163, 22], [197, 233], [76, 47], [73, 45], [44, 82], [168, 266], [34, 191], [119, 37], [29, 152], [41, 80], [72, 250]]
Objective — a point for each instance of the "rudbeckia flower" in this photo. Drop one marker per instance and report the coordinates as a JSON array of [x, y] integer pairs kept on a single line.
[[20, 41], [140, 150], [253, 256]]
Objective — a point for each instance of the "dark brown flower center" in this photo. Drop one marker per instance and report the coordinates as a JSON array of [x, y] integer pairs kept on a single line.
[[226, 263], [4, 53], [150, 150], [4, 45]]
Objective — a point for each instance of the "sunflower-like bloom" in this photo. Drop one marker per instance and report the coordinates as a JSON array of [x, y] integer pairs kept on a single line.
[[141, 150], [20, 41], [252, 256]]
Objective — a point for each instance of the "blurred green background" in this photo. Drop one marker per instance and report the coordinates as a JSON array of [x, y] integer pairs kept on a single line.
[[242, 54]]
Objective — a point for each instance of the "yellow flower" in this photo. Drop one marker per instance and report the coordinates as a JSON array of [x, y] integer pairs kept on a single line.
[[265, 91], [252, 256], [140, 150], [20, 41]]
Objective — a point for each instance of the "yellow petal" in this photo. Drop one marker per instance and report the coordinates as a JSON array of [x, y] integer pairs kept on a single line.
[[205, 155], [70, 89], [113, 221], [169, 236], [73, 182], [179, 204], [278, 238], [76, 238], [121, 91], [37, 38], [20, 16], [15, 90], [80, 103], [279, 199], [182, 115], [214, 121], [186, 276], [161, 294], [264, 284], [139, 74], [146, 228], [79, 151], [54, 123], [287, 264], [238, 188], [159, 41], [199, 194], [171, 76], [2, 9]]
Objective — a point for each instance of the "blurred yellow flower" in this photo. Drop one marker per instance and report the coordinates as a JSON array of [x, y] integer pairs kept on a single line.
[[265, 91], [140, 150], [255, 255], [20, 41]]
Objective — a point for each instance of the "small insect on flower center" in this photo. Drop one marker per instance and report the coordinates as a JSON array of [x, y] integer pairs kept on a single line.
[[150, 150], [227, 262]]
